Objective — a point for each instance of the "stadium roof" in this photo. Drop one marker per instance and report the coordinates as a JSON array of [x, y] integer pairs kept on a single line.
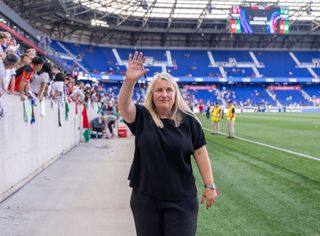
[[197, 9], [190, 23]]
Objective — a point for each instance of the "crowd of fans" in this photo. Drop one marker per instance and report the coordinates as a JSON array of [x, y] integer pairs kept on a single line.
[[31, 76], [28, 75]]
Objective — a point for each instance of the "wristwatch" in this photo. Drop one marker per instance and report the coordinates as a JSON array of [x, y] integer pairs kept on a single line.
[[210, 186]]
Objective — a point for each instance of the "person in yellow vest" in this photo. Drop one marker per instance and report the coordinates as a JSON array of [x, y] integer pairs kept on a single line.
[[216, 117], [231, 117]]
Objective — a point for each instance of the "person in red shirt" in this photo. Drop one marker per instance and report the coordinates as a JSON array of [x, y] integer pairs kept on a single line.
[[201, 107], [20, 83]]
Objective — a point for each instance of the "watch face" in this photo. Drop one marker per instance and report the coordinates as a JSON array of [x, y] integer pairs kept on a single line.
[[210, 186]]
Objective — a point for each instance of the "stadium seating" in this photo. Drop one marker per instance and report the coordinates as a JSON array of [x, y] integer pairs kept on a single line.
[[240, 56], [194, 63], [291, 98], [249, 95], [312, 90], [197, 63], [280, 64]]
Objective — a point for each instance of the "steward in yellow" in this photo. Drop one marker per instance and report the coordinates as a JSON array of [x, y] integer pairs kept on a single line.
[[231, 117], [216, 117]]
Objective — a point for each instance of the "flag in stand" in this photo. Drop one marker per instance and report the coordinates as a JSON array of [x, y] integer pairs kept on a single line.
[[33, 117], [66, 105], [85, 125]]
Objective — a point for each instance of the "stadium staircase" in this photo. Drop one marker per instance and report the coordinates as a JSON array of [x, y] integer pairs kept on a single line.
[[300, 65], [273, 97], [305, 95], [73, 57]]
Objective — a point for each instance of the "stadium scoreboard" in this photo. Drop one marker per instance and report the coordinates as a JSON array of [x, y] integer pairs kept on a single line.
[[259, 20]]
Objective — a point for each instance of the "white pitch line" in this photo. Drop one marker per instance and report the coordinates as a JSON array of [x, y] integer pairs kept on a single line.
[[273, 147]]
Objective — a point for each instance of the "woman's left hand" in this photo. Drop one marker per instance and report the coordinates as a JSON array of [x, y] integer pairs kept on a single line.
[[209, 196]]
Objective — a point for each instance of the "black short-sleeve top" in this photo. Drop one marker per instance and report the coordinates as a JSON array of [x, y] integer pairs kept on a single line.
[[161, 165]]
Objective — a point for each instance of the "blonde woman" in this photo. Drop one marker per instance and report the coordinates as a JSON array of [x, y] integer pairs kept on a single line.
[[164, 195]]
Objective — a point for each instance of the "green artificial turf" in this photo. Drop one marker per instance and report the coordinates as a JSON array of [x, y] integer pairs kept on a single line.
[[264, 191]]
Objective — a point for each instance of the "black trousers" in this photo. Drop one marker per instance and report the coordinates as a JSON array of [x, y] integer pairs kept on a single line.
[[110, 124], [154, 217]]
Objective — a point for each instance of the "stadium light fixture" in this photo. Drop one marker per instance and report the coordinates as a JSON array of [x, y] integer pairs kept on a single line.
[[192, 9], [100, 23]]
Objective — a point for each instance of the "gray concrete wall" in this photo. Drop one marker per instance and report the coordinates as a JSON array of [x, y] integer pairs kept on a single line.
[[25, 149]]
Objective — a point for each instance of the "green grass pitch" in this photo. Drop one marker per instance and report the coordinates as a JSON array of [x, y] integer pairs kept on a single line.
[[264, 191]]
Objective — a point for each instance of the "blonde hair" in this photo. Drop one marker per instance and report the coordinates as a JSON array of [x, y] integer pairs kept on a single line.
[[179, 106]]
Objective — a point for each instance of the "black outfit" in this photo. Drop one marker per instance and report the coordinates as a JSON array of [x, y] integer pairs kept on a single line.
[[208, 112], [26, 68], [161, 172], [110, 125]]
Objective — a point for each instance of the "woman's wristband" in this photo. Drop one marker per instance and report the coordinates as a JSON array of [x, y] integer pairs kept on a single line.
[[210, 186]]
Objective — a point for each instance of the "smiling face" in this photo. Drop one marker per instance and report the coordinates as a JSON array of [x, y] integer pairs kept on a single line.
[[163, 97]]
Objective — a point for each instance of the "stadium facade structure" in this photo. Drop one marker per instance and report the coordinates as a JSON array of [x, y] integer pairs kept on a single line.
[[165, 23], [200, 34]]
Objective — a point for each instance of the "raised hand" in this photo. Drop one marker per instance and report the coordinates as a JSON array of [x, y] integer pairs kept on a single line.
[[135, 67]]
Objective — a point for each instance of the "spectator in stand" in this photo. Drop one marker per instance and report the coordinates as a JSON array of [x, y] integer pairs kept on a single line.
[[4, 40], [57, 87], [70, 85], [87, 97], [11, 49], [13, 42], [24, 75], [24, 60], [12, 45], [32, 52], [9, 65], [77, 93], [40, 80]]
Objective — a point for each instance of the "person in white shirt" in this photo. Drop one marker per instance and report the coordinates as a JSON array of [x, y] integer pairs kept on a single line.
[[57, 91], [7, 71], [4, 40], [40, 80]]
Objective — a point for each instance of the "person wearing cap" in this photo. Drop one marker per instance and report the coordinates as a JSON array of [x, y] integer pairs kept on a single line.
[[7, 70], [216, 117], [231, 117], [24, 75]]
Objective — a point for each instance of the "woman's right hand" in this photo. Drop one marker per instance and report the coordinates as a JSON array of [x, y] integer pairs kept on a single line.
[[135, 67]]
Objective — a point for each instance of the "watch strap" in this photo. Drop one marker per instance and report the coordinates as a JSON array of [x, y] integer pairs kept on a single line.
[[210, 186]]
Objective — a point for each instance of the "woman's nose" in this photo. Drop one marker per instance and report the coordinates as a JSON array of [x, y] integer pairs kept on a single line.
[[164, 94]]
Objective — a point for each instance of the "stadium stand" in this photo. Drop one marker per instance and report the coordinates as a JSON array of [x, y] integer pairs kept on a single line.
[[218, 63], [195, 63]]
